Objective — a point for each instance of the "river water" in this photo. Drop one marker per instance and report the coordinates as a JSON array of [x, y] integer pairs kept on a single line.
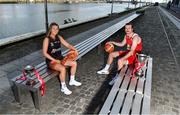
[[18, 19]]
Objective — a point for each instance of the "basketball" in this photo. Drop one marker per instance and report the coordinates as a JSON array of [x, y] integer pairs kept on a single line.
[[109, 47], [71, 55]]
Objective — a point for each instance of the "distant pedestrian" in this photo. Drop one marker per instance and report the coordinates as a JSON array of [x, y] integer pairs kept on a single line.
[[52, 53], [168, 5]]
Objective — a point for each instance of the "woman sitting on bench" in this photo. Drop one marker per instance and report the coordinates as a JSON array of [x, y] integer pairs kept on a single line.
[[134, 45], [52, 52]]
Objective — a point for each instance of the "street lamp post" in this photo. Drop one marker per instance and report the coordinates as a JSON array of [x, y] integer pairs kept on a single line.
[[112, 7], [46, 14]]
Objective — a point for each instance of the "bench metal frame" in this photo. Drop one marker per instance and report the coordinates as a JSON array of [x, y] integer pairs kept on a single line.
[[83, 48]]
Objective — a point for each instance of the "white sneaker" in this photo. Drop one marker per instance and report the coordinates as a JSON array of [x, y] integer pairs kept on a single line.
[[74, 82], [114, 79], [66, 91], [103, 71]]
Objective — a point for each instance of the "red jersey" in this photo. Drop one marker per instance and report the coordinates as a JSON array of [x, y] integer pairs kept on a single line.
[[129, 43]]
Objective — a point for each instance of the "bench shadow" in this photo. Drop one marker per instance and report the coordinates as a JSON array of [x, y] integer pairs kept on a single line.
[[98, 100]]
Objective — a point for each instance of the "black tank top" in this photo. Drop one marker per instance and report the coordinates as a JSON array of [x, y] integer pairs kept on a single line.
[[54, 49]]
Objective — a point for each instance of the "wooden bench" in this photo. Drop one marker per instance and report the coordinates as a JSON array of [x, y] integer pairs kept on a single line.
[[130, 95], [46, 74]]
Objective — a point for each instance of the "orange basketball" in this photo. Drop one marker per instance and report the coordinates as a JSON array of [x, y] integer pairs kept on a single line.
[[71, 55], [109, 47]]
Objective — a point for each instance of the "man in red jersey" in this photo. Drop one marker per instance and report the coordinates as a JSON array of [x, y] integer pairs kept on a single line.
[[134, 45]]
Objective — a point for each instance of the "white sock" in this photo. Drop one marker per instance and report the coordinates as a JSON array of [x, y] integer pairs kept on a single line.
[[63, 85], [107, 67], [72, 77]]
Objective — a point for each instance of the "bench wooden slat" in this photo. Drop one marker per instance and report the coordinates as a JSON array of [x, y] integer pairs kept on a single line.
[[44, 74], [120, 97], [46, 79], [126, 82], [133, 84], [106, 107], [147, 91], [118, 102], [87, 41], [92, 43], [137, 104], [140, 86], [88, 48], [92, 38], [127, 103]]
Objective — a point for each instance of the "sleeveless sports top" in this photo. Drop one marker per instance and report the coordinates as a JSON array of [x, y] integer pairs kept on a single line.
[[129, 43], [54, 49]]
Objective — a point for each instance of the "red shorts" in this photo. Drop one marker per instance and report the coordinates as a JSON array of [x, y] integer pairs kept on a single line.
[[130, 59]]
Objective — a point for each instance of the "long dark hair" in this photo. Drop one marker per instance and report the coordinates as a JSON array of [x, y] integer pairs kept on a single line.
[[50, 28]]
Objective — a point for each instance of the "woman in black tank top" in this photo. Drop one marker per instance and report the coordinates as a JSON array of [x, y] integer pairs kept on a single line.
[[52, 53]]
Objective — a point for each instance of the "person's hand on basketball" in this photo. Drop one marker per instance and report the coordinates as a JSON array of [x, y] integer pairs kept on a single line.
[[55, 62], [76, 51]]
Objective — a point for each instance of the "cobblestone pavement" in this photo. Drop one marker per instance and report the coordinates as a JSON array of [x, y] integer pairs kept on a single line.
[[87, 98], [165, 97]]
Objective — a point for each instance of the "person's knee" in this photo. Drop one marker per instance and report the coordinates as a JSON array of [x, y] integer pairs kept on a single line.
[[62, 69], [74, 64], [112, 55], [120, 62]]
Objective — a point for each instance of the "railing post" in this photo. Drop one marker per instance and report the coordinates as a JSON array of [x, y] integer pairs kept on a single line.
[[46, 15]]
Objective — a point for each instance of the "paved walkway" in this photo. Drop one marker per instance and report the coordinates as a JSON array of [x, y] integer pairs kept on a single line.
[[173, 19], [166, 78], [90, 96], [176, 9]]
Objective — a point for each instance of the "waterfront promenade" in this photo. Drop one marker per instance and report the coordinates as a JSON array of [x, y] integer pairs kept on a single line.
[[30, 18], [157, 31]]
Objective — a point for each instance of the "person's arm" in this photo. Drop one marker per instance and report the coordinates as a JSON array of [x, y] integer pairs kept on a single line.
[[45, 49], [66, 44], [120, 44], [132, 50]]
